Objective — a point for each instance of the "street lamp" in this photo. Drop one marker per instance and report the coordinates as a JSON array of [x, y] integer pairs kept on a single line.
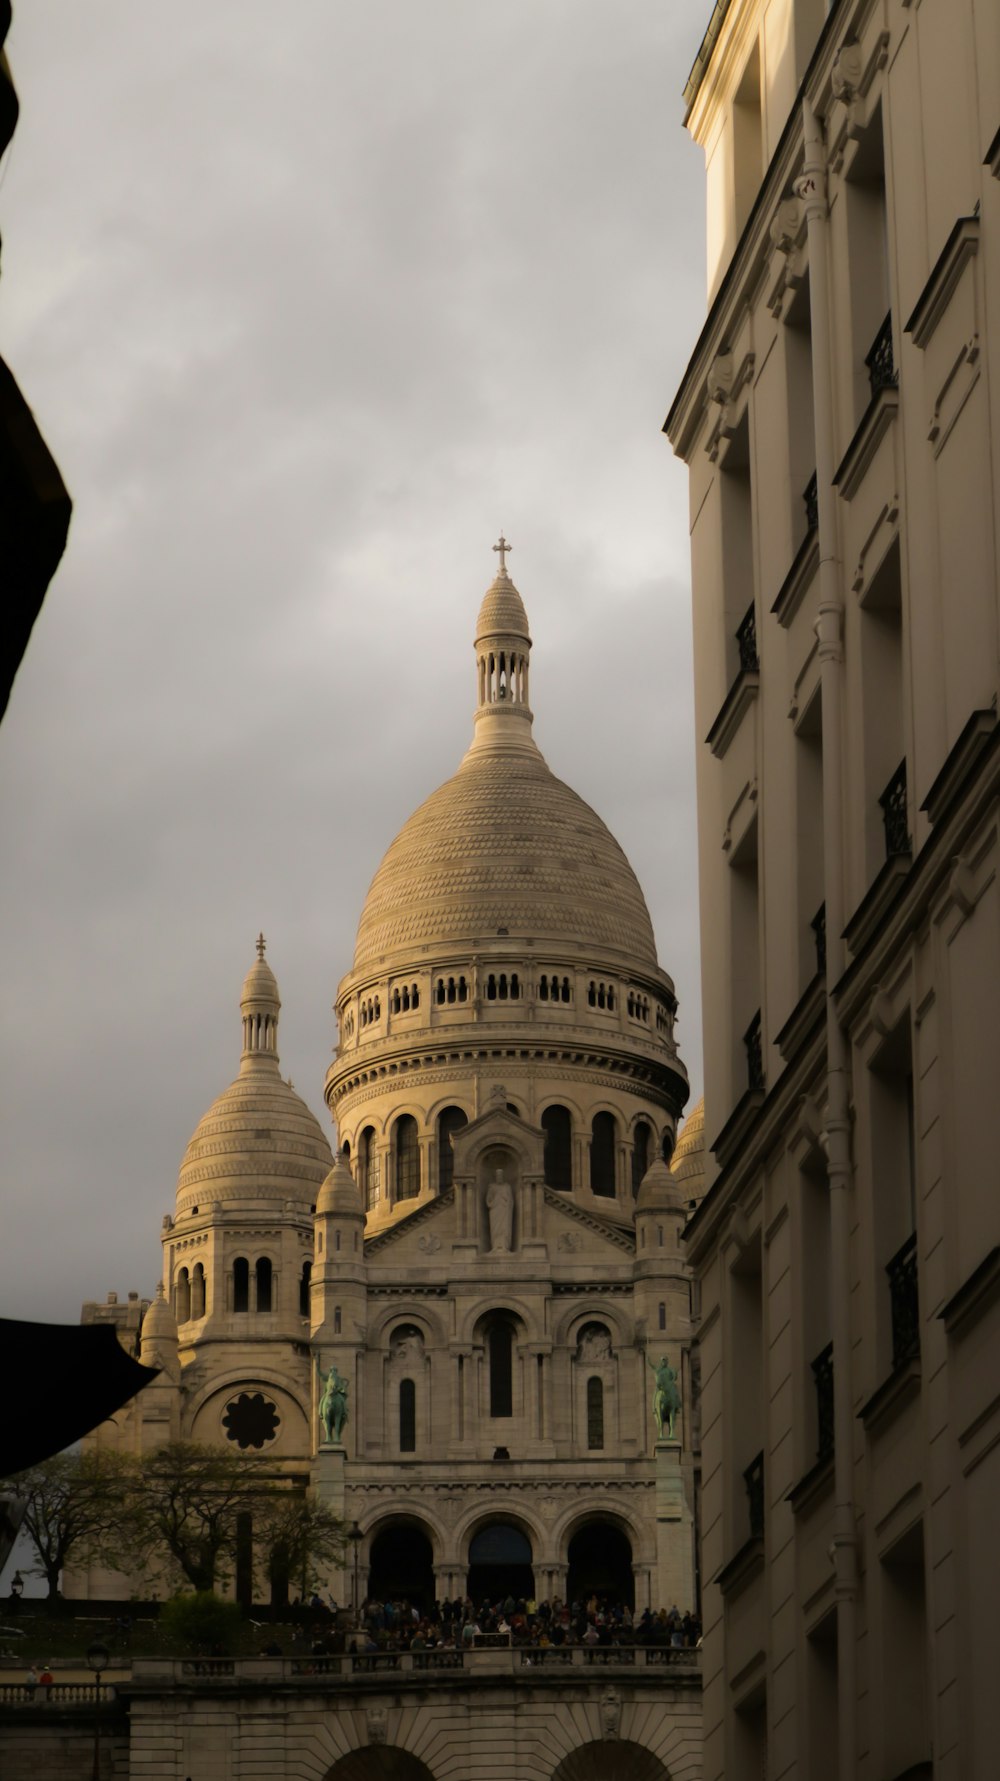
[[16, 1587], [98, 1659], [355, 1536]]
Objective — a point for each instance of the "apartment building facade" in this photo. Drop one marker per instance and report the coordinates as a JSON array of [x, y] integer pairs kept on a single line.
[[840, 418]]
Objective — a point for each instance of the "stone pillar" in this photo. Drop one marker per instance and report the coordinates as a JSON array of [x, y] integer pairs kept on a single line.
[[329, 1487], [674, 1543], [643, 1575]]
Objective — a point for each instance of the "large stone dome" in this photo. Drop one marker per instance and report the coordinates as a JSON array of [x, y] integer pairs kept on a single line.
[[504, 847], [258, 1142]]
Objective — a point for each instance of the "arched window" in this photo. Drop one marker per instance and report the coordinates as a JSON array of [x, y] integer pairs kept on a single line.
[[414, 996], [565, 992], [595, 1413], [264, 1281], [558, 1129], [491, 988], [640, 1154], [667, 1148], [451, 1120], [198, 1291], [407, 1151], [603, 1133], [543, 989], [304, 1289], [407, 1416], [182, 1297], [663, 1315], [439, 991], [463, 990], [369, 1167], [241, 1284], [501, 1344]]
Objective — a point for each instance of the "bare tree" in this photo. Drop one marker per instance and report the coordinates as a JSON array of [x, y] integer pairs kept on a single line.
[[75, 1509]]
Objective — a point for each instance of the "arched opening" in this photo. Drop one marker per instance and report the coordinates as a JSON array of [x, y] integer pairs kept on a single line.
[[198, 1291], [182, 1297], [380, 1762], [369, 1167], [401, 1565], [407, 1150], [558, 1128], [605, 1759], [603, 1133], [500, 1343], [595, 1413], [500, 1563], [600, 1563], [241, 1284], [407, 1416], [265, 1282], [640, 1154], [667, 1147], [304, 1289], [451, 1120]]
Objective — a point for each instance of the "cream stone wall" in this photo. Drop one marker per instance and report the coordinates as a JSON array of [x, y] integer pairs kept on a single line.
[[846, 1248]]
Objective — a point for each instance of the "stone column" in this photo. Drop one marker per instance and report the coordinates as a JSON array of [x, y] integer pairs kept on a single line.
[[674, 1545], [329, 1477]]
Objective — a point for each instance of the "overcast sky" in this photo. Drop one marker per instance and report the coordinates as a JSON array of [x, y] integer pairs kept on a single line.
[[309, 304]]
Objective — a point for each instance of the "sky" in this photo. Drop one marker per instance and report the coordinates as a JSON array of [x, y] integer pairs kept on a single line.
[[309, 306]]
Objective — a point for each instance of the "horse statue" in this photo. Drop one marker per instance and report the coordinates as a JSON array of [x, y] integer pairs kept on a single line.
[[333, 1404], [666, 1397]]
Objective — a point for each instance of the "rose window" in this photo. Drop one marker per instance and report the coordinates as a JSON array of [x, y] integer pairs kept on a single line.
[[251, 1420]]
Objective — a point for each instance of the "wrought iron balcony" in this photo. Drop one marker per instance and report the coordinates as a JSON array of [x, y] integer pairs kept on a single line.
[[822, 1369], [882, 373], [746, 642], [905, 1302], [753, 1478], [818, 925], [810, 495], [755, 1055], [893, 806]]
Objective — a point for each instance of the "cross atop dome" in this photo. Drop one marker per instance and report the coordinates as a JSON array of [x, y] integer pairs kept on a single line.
[[504, 548], [261, 945]]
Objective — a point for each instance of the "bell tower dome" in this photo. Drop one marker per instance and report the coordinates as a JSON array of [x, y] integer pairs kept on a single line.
[[503, 649]]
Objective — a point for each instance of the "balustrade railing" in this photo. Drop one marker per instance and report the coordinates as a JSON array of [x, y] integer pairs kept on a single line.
[[904, 1299], [818, 925], [822, 1370], [753, 1478], [755, 1057], [746, 642], [893, 806], [880, 362], [810, 495]]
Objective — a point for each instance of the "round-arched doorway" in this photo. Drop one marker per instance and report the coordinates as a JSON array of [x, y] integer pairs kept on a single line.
[[401, 1565], [600, 1563], [379, 1762], [500, 1564], [607, 1760]]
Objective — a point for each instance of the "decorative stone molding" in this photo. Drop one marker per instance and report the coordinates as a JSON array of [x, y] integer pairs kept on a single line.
[[376, 1724], [726, 387], [610, 1711]]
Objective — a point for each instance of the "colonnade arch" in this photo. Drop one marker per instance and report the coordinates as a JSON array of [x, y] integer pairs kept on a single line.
[[380, 1762], [617, 1759], [401, 1562]]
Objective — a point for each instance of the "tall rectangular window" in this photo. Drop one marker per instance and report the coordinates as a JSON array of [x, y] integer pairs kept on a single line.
[[894, 1173], [810, 922], [595, 1413], [868, 260], [886, 799]]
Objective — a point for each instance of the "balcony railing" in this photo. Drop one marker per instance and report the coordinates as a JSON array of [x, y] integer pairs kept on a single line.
[[755, 1056], [753, 1478], [904, 1298], [810, 495], [822, 1370], [746, 642], [893, 807], [818, 925], [882, 373]]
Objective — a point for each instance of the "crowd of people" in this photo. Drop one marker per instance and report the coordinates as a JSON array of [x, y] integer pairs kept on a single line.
[[461, 1624]]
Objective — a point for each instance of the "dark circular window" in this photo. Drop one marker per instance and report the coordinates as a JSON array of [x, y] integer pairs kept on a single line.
[[251, 1420]]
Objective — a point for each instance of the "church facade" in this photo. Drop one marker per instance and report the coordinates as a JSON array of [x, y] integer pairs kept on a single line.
[[469, 1328]]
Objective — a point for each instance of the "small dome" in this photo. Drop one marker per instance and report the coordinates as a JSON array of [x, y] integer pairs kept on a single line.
[[339, 1192], [258, 1141], [658, 1191], [502, 612], [688, 1162], [159, 1332]]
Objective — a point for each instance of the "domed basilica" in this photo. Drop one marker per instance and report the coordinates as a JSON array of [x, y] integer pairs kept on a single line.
[[457, 1327]]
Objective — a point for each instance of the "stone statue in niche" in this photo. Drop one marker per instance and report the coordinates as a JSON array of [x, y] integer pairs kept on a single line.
[[407, 1346], [500, 1207], [594, 1343]]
